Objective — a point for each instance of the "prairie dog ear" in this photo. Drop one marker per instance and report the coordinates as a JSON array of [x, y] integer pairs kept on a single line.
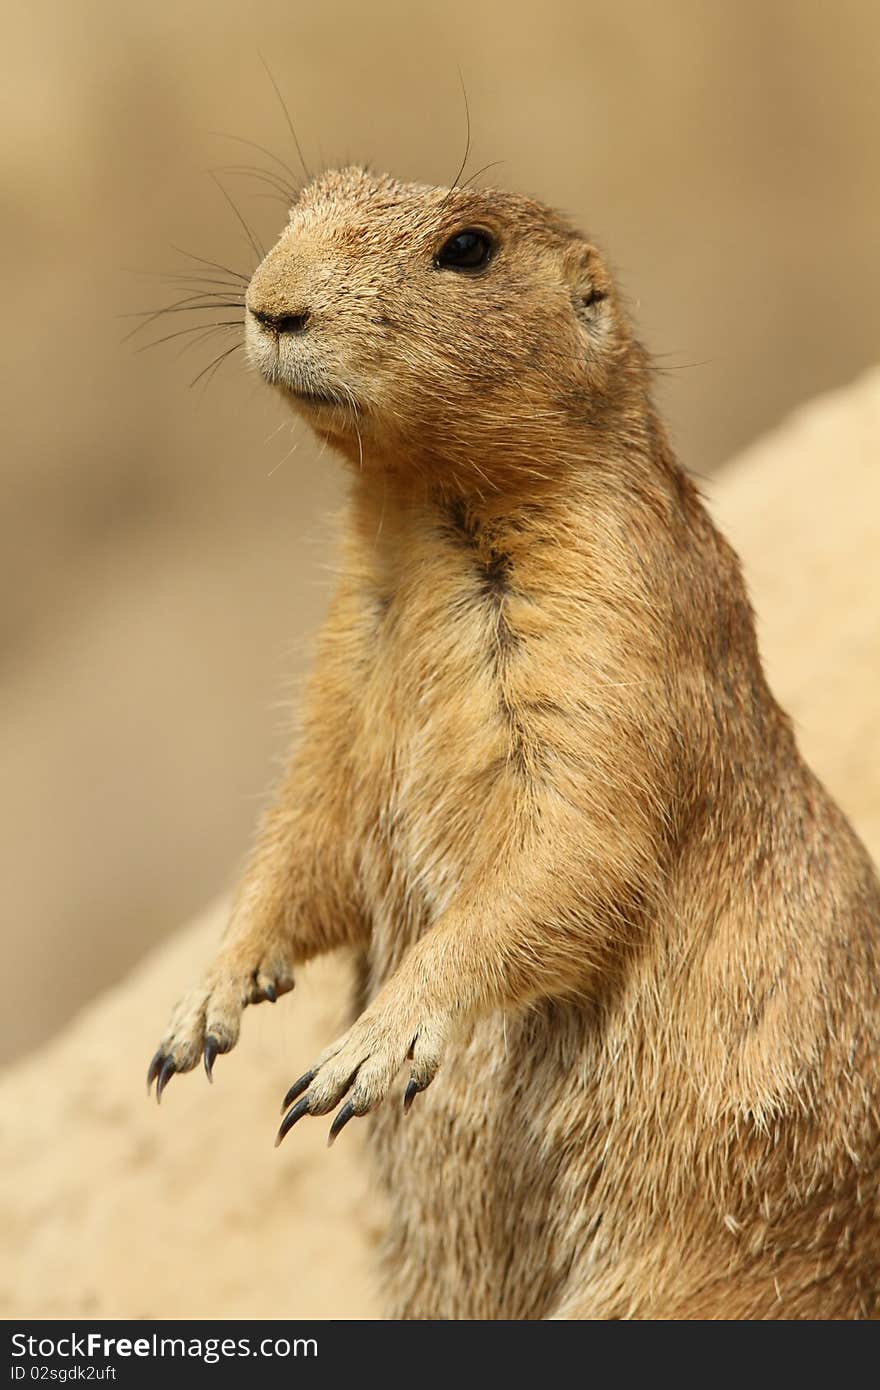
[[588, 280]]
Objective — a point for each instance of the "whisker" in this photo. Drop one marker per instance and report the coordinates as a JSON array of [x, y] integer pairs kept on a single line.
[[193, 277], [264, 175], [196, 284], [485, 169], [192, 280], [663, 368], [203, 337], [467, 144], [292, 450], [290, 124], [277, 430], [261, 254], [182, 306], [212, 366], [214, 264], [194, 328], [224, 134]]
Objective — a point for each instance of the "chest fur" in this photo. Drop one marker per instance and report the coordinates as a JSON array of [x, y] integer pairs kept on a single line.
[[437, 749]]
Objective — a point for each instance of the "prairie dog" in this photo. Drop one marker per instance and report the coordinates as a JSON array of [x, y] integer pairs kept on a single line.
[[618, 1041]]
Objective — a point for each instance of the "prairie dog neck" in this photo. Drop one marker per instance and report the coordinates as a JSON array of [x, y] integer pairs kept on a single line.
[[591, 504]]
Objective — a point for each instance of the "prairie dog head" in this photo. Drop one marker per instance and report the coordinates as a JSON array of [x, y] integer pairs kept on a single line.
[[436, 326]]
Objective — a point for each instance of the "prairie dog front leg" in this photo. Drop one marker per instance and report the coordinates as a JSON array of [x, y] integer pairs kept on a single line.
[[502, 946]]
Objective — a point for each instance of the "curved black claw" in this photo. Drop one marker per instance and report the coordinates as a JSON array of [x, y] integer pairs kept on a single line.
[[301, 1108], [412, 1090], [341, 1120], [155, 1068], [270, 993], [165, 1075], [297, 1088], [212, 1048]]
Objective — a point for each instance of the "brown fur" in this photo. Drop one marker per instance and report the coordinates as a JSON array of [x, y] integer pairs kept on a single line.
[[545, 792]]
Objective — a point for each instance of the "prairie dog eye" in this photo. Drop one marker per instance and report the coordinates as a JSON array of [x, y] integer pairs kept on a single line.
[[469, 249]]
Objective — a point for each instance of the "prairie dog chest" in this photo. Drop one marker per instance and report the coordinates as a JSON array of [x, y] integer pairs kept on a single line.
[[432, 745]]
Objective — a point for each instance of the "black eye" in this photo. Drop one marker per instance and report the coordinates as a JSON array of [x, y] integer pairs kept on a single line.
[[467, 250]]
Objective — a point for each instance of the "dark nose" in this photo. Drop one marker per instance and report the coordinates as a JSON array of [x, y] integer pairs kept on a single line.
[[282, 323]]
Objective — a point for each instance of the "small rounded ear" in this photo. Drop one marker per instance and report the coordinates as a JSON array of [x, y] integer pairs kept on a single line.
[[588, 281]]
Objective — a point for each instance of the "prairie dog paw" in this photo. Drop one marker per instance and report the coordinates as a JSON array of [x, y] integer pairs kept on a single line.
[[362, 1065], [207, 1021]]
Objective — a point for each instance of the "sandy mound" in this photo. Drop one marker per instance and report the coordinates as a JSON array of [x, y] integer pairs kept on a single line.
[[113, 1208]]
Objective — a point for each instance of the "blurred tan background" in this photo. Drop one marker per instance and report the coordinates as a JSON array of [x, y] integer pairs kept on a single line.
[[166, 552]]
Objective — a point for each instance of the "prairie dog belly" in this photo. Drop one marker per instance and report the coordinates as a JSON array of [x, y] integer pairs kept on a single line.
[[482, 1223]]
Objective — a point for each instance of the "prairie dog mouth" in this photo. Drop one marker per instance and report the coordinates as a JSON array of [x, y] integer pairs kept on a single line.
[[299, 383], [276, 348]]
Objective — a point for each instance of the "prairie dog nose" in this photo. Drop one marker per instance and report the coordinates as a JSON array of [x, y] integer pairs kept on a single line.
[[282, 322]]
